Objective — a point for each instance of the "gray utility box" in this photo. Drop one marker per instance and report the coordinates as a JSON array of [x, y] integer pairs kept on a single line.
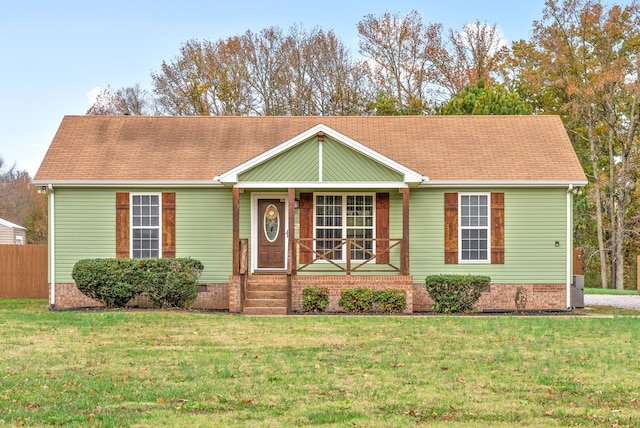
[[577, 291]]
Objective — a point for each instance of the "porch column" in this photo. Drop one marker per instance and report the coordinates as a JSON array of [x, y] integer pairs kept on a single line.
[[404, 253], [293, 263], [236, 231]]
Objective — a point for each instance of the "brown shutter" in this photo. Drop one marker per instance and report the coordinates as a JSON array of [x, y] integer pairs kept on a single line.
[[451, 228], [382, 227], [497, 228], [122, 225], [168, 225], [306, 226]]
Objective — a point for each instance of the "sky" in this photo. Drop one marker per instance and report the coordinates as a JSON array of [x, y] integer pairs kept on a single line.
[[56, 53]]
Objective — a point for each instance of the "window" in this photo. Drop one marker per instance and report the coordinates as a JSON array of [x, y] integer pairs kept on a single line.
[[474, 227], [145, 226], [344, 216]]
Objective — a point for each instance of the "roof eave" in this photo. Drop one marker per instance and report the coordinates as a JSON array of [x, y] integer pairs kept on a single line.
[[128, 183], [503, 183]]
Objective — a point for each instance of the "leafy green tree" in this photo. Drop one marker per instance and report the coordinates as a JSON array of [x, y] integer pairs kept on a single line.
[[479, 99]]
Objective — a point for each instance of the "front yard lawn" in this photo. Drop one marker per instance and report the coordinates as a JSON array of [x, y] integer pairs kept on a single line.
[[181, 368]]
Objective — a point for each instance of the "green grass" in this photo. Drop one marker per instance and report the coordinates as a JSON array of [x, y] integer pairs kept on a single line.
[[180, 368], [609, 291]]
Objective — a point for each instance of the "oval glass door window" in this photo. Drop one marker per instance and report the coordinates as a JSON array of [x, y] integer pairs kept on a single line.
[[271, 222]]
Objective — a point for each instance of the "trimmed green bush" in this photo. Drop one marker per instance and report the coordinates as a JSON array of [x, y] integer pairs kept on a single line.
[[114, 282], [315, 299], [391, 301], [357, 300], [361, 300], [172, 283], [455, 293], [109, 281]]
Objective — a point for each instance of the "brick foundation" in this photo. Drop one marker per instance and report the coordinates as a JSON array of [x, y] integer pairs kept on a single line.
[[502, 297], [227, 296], [210, 296]]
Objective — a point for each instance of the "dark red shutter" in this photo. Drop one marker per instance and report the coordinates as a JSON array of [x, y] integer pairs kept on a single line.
[[168, 225], [382, 227], [122, 225], [451, 228], [306, 227], [497, 228]]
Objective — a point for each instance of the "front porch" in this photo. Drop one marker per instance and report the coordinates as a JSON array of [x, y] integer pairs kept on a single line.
[[332, 262]]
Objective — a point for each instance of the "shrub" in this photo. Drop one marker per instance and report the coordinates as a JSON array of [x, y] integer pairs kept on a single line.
[[391, 301], [361, 300], [520, 299], [114, 282], [109, 281], [455, 293], [173, 283], [357, 300], [315, 299]]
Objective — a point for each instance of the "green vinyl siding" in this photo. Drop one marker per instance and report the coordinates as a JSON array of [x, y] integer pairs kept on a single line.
[[343, 164], [534, 220], [85, 227], [204, 229], [298, 164]]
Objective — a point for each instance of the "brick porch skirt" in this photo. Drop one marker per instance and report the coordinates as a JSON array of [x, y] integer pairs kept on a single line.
[[336, 284], [210, 296]]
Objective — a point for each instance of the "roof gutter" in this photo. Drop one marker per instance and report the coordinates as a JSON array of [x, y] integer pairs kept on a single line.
[[503, 183], [569, 233], [128, 183], [52, 247]]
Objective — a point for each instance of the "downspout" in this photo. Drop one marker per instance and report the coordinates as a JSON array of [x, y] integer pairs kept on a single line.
[[52, 247], [569, 233]]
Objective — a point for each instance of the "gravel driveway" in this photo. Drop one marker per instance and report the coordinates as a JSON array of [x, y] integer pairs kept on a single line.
[[624, 301]]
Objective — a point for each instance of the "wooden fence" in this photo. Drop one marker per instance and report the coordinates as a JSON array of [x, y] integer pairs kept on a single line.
[[23, 272]]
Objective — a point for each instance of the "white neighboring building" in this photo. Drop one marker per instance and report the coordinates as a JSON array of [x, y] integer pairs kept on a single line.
[[11, 233]]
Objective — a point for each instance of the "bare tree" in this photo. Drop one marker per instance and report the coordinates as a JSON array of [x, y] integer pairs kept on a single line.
[[131, 100], [397, 52], [21, 204]]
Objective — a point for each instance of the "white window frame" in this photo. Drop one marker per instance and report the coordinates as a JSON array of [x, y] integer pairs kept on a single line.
[[487, 228], [344, 223], [132, 227]]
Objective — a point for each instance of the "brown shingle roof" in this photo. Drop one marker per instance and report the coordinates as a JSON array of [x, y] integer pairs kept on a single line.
[[134, 148]]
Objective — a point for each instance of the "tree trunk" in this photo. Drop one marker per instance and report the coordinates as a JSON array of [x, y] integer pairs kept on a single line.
[[596, 187]]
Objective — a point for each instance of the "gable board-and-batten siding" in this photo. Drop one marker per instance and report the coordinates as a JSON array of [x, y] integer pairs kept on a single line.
[[342, 164], [534, 220], [298, 164], [85, 228], [339, 164]]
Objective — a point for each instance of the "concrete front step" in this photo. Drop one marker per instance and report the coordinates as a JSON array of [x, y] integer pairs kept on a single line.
[[265, 303], [250, 294], [264, 311], [254, 285]]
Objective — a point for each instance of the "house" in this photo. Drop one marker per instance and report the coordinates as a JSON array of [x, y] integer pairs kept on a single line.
[[272, 205], [11, 233]]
